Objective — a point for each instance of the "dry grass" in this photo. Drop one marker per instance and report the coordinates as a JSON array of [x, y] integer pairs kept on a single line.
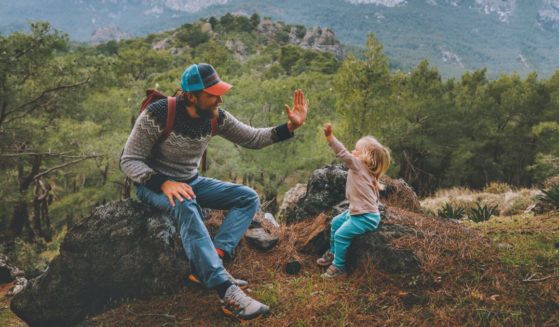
[[508, 203], [463, 282]]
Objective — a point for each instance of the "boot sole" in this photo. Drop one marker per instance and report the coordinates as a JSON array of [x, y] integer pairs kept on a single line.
[[228, 313]]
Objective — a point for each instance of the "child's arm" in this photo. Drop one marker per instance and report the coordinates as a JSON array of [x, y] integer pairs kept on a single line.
[[339, 148]]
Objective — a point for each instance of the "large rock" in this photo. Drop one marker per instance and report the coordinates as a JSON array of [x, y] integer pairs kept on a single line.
[[290, 200], [123, 250], [326, 188], [397, 193], [376, 246]]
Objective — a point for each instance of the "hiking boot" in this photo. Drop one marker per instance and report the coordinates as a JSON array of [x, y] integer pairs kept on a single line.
[[239, 282], [326, 259], [240, 306], [333, 272]]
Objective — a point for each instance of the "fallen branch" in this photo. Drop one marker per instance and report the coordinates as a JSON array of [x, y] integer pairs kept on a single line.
[[531, 279], [165, 315]]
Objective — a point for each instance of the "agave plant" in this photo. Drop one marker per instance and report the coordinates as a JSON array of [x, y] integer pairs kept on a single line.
[[482, 213], [450, 212], [550, 196]]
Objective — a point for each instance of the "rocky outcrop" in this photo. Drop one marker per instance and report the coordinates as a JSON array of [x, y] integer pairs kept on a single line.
[[123, 250], [321, 39], [110, 33], [376, 246], [326, 189]]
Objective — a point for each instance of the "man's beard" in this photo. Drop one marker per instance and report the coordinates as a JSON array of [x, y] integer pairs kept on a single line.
[[204, 113]]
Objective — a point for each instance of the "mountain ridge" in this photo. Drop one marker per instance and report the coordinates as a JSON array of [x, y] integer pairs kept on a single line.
[[505, 36]]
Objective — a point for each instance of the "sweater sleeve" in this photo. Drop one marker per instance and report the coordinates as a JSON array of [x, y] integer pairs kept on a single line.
[[134, 160], [341, 152], [250, 137]]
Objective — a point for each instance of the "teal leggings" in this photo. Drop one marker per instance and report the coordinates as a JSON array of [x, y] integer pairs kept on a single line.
[[345, 228]]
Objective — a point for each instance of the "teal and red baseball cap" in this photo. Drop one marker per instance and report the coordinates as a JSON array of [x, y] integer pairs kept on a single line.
[[198, 77]]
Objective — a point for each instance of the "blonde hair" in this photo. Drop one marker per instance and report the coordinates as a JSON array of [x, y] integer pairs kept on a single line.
[[375, 156]]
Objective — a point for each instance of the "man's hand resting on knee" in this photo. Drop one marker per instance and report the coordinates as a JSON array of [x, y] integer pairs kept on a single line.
[[178, 190]]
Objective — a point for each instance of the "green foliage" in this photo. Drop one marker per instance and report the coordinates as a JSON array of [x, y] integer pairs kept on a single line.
[[448, 211], [229, 23], [192, 35], [26, 256], [482, 213], [550, 196], [469, 131]]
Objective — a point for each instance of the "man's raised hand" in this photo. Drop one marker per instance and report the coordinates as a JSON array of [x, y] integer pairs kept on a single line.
[[298, 114]]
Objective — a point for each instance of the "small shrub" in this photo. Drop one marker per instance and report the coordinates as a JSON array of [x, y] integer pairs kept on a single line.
[[550, 196], [450, 212], [518, 204], [551, 182], [482, 213], [26, 257], [453, 192], [497, 188]]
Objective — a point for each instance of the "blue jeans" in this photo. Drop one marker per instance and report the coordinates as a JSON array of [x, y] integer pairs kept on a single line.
[[242, 203], [345, 228]]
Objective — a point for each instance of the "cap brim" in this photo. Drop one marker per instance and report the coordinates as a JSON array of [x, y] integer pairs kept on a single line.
[[218, 89]]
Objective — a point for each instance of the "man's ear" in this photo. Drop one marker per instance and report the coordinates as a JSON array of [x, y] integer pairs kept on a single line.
[[191, 97]]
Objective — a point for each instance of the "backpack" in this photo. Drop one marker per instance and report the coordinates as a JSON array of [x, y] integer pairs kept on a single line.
[[153, 95]]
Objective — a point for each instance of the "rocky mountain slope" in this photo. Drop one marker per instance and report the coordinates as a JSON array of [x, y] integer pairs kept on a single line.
[[456, 35]]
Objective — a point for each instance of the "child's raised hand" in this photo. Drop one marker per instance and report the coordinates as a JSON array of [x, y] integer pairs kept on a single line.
[[327, 129]]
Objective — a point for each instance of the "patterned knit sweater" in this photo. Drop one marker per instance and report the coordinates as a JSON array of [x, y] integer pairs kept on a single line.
[[150, 162]]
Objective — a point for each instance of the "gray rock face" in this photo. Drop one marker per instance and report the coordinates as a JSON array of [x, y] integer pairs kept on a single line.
[[261, 239], [376, 245], [123, 250], [326, 189]]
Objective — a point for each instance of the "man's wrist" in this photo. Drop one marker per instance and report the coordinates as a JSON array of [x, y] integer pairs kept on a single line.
[[292, 126]]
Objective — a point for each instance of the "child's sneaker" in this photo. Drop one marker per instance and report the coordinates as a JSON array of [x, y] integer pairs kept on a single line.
[[326, 259], [240, 306], [333, 272]]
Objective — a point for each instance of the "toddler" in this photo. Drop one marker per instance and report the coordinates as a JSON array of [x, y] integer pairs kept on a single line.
[[367, 163]]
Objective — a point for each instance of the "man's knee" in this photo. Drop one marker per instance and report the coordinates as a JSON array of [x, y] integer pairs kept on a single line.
[[187, 209], [249, 197]]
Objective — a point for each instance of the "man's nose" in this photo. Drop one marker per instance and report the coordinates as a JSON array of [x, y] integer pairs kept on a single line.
[[219, 100]]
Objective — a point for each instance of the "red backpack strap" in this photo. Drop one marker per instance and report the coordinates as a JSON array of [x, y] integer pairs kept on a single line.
[[171, 110], [214, 126], [152, 95]]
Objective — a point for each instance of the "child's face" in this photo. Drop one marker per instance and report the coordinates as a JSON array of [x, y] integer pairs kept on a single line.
[[357, 151]]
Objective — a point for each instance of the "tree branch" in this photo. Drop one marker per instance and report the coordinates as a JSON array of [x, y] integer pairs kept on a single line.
[[39, 97], [66, 164], [22, 154]]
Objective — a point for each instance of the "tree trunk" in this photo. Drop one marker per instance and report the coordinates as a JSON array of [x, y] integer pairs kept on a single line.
[[20, 220]]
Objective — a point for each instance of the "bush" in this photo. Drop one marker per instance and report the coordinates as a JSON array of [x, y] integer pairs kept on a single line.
[[550, 196], [482, 213], [551, 182], [450, 212], [497, 188], [26, 256], [519, 204]]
